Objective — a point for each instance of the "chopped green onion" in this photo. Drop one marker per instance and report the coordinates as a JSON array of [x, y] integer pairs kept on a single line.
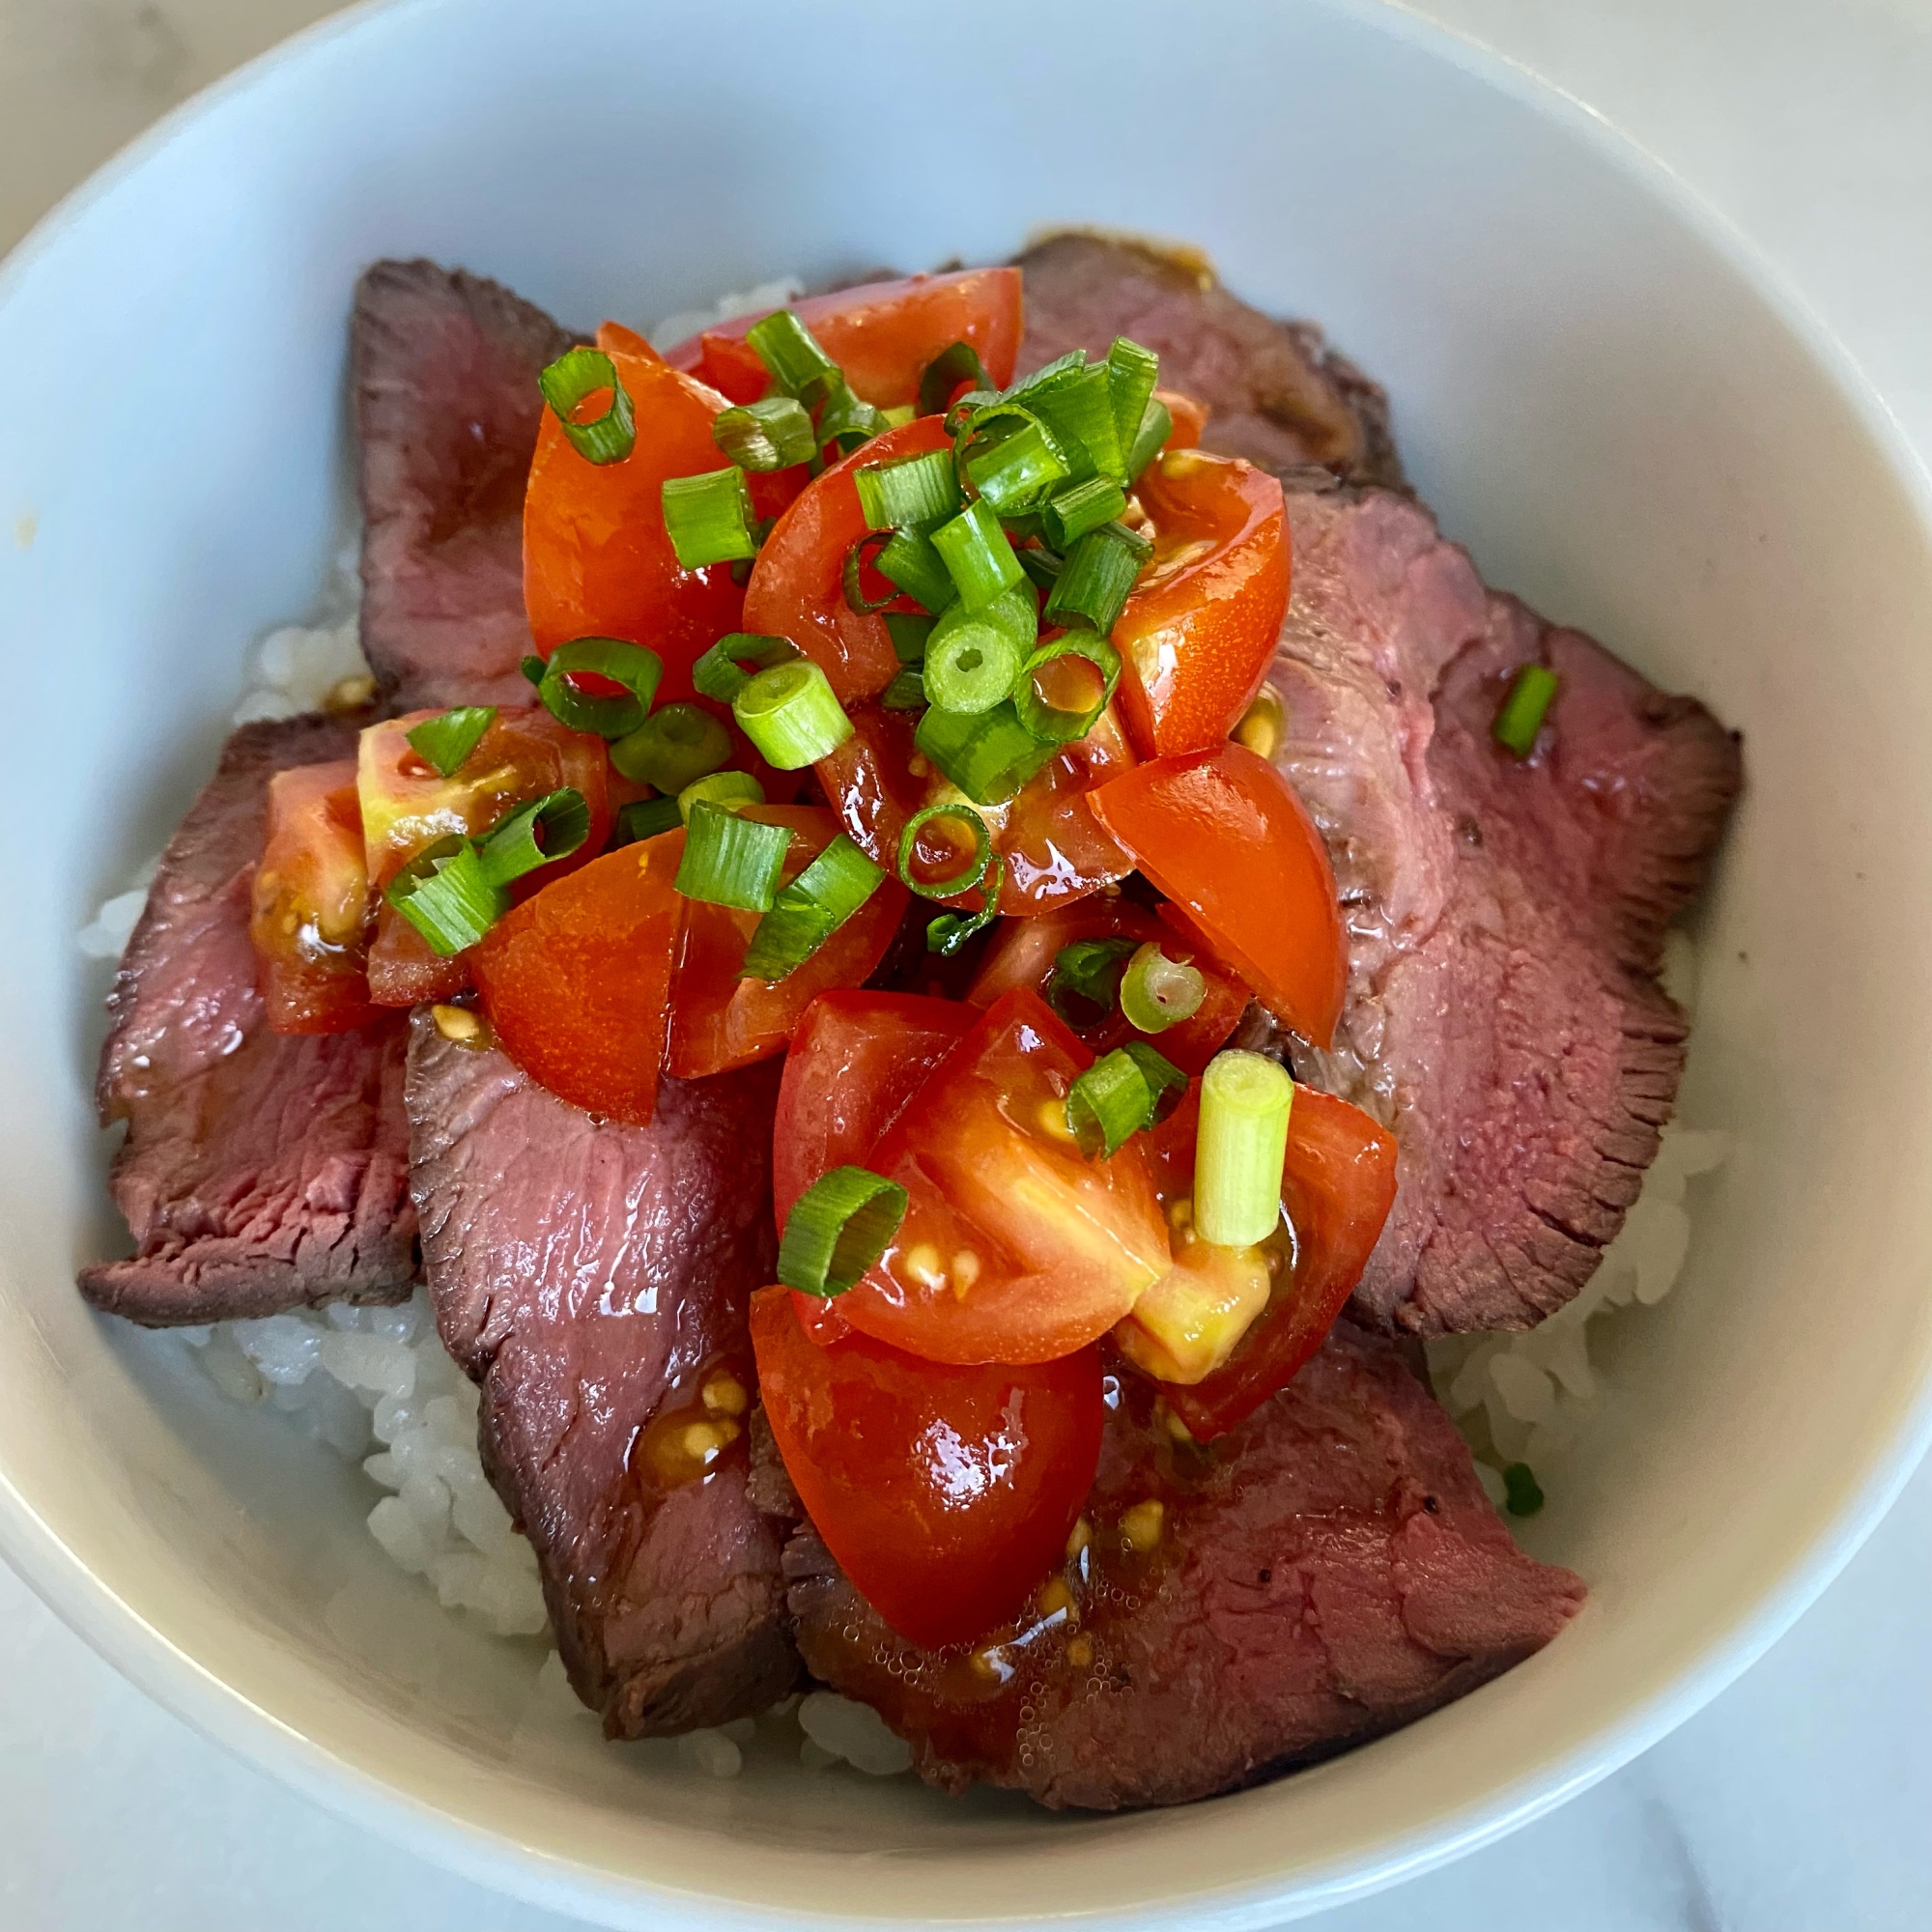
[[791, 715], [1042, 564], [446, 741], [899, 415], [720, 673], [1088, 969], [575, 375], [856, 599], [1078, 407], [1099, 578], [791, 351], [532, 667], [909, 631], [674, 745], [988, 755], [808, 911], [1156, 426], [972, 658], [960, 363], [1245, 1098], [731, 861], [1108, 1102], [951, 930], [1016, 472], [773, 434], [1067, 516], [1522, 1494], [906, 692], [963, 881], [838, 1228], [910, 560], [1166, 1082], [848, 419], [911, 493], [1525, 709], [447, 897], [1061, 724], [708, 518], [548, 828], [977, 555], [1132, 371], [637, 669], [1157, 992], [645, 818], [728, 791]]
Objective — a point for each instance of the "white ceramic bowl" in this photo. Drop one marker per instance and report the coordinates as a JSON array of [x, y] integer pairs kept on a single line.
[[1594, 387]]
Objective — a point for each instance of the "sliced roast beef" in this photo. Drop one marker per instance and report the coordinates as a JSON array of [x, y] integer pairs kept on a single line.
[[1276, 394], [594, 1277], [1327, 1572], [444, 369], [260, 1170], [1506, 918]]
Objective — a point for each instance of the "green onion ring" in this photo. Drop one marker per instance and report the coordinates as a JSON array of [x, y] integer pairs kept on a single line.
[[962, 881], [838, 1228]]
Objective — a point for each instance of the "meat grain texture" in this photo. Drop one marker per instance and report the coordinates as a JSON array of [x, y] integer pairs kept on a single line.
[[587, 1273], [261, 1171]]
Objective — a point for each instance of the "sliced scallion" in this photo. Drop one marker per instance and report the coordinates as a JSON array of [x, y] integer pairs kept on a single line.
[[847, 419], [773, 434], [1245, 1100], [1132, 371], [1016, 472], [960, 363], [708, 518], [899, 415], [633, 666], [447, 897], [963, 881], [1156, 426], [1523, 712], [1522, 1494], [951, 930], [1108, 1102], [910, 560], [977, 555], [568, 383], [838, 1228], [674, 745], [1157, 992], [799, 365], [446, 741], [1042, 564], [548, 828], [872, 546], [906, 692], [720, 672], [808, 911], [728, 791], [1067, 516], [1065, 684], [1078, 409], [1099, 578], [990, 756], [531, 666], [645, 817], [791, 715], [731, 861], [1089, 970], [1166, 1082], [972, 658], [911, 493], [909, 631]]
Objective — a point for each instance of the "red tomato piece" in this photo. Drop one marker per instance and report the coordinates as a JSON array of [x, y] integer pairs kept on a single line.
[[1014, 1247], [720, 1020], [882, 334], [1197, 635], [1337, 1187], [1056, 850], [945, 1492], [798, 585], [576, 982], [1190, 418], [311, 903], [1224, 835], [1025, 949]]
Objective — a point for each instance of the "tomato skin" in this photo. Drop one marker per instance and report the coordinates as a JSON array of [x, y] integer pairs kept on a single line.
[[576, 982], [311, 903], [945, 1492], [1190, 418], [797, 588], [1223, 835], [1338, 1186], [1198, 634], [720, 1021], [1014, 1247], [882, 334], [1023, 956]]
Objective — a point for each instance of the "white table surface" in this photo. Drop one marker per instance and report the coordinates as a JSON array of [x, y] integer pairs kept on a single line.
[[1802, 1799]]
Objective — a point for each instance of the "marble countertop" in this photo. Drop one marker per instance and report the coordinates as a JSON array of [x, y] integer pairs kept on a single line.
[[1802, 1799]]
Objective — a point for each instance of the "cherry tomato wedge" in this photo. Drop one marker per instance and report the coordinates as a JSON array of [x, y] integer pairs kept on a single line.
[[1014, 1247], [1024, 952], [1224, 835], [1056, 850], [797, 588], [945, 1493], [882, 334], [720, 1020], [311, 903], [1189, 417], [1197, 635], [1337, 1187], [576, 982]]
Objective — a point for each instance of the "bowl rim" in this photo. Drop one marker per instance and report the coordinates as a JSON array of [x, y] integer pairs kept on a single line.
[[361, 1795]]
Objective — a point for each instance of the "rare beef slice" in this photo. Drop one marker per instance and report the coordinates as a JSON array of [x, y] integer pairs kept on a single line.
[[261, 1171], [594, 1277]]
